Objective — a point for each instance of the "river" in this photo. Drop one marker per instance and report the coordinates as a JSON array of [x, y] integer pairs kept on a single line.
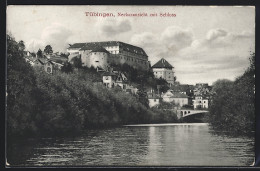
[[136, 145]]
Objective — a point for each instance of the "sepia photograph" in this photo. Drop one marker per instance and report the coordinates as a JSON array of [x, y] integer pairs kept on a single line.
[[130, 86]]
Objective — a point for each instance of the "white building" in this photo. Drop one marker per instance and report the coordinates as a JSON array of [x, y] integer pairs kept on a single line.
[[177, 98], [112, 79], [162, 69], [154, 101], [200, 102]]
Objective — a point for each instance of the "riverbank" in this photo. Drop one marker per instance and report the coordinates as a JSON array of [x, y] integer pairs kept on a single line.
[[168, 124]]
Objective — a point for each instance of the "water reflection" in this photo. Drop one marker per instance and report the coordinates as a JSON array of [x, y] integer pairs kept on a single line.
[[165, 145]]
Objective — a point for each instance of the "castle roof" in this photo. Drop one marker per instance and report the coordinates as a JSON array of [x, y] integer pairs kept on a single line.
[[122, 46], [94, 48], [77, 45], [162, 64]]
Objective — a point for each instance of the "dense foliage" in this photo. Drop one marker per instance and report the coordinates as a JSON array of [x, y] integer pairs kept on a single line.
[[21, 90], [233, 103], [39, 103]]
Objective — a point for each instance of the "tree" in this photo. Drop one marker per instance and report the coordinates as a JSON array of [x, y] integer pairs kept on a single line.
[[220, 109], [21, 45], [39, 53], [142, 97], [33, 54], [67, 67], [77, 63], [20, 90], [233, 103], [48, 49]]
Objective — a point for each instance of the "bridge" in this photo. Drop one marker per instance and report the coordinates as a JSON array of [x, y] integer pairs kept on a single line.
[[182, 113]]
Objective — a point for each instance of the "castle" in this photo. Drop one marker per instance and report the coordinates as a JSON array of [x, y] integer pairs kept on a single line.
[[103, 54]]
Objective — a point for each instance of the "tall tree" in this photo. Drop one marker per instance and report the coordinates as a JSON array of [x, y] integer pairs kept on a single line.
[[20, 90], [39, 53], [48, 49]]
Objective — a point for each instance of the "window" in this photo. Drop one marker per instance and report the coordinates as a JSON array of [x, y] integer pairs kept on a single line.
[[49, 70]]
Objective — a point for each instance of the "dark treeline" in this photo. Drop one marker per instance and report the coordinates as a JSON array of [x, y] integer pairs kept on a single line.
[[233, 103], [67, 101]]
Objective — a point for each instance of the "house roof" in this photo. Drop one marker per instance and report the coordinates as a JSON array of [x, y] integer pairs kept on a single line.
[[180, 95], [162, 64], [153, 96], [39, 61], [108, 74]]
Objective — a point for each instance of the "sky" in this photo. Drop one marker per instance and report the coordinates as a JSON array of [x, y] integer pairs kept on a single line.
[[203, 43]]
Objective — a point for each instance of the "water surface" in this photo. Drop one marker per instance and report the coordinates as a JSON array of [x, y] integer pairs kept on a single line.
[[136, 145]]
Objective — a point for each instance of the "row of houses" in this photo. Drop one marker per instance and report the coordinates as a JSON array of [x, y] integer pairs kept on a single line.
[[198, 101], [48, 65]]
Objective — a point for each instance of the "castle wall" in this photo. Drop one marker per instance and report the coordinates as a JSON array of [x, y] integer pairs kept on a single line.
[[98, 59]]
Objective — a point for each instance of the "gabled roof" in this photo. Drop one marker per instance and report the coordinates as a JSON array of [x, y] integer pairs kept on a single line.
[[39, 61], [162, 64]]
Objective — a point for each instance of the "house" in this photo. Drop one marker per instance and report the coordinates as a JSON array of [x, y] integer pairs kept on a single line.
[[115, 78], [163, 69], [131, 89], [37, 63], [121, 80], [154, 99], [109, 79], [49, 67], [57, 65], [202, 89], [201, 102], [176, 97], [167, 97], [183, 88]]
